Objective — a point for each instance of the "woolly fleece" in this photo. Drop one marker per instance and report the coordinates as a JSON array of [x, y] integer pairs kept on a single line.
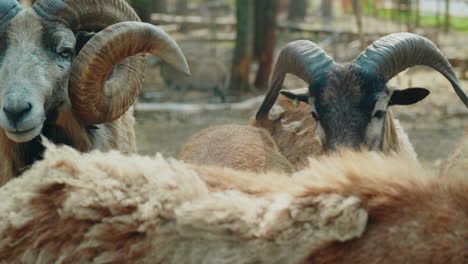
[[112, 208]]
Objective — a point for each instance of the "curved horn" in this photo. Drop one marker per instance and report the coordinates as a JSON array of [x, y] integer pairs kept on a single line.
[[95, 15], [302, 58], [8, 9], [90, 15], [392, 54], [101, 93]]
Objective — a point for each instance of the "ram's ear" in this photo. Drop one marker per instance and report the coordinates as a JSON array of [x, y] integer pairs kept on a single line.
[[301, 95], [82, 37], [408, 96]]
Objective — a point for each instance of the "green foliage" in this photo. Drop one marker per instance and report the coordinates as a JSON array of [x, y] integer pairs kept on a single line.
[[231, 3], [456, 23]]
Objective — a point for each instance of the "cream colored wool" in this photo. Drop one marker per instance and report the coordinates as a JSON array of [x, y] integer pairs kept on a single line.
[[112, 208], [347, 208], [457, 162]]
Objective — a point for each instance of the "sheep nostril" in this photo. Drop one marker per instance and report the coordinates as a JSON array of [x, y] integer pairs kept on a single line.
[[15, 113]]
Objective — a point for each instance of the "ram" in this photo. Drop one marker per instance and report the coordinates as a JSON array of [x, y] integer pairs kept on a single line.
[[349, 207], [63, 80], [349, 107], [350, 102]]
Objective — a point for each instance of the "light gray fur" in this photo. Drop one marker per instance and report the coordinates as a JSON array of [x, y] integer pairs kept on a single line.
[[33, 73]]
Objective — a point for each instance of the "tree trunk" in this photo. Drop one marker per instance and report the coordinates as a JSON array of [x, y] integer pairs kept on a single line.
[[346, 6], [447, 16], [327, 12], [244, 47], [160, 6], [395, 9], [358, 15], [405, 9], [375, 8], [265, 39], [181, 7], [144, 8], [418, 18], [297, 10]]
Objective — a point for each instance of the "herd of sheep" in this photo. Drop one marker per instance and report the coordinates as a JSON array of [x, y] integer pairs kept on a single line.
[[323, 174]]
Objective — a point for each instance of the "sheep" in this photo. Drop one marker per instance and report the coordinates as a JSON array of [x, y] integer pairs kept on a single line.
[[345, 208], [351, 101], [293, 129], [207, 74], [222, 145], [69, 72], [267, 145]]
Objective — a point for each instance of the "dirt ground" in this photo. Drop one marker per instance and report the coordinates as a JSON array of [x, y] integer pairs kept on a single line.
[[434, 125]]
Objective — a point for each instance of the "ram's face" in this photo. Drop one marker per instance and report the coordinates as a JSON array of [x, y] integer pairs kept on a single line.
[[35, 59], [351, 109], [348, 109]]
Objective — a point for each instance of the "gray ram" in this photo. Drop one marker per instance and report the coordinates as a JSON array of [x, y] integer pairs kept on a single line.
[[63, 81]]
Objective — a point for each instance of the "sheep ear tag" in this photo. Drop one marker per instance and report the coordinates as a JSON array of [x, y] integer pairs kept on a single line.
[[301, 95], [408, 96]]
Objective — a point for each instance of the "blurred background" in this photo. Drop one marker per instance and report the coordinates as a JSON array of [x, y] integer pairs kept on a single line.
[[231, 47]]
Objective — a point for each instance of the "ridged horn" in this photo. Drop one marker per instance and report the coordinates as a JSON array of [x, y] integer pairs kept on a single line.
[[302, 58], [396, 52], [109, 68], [8, 9], [90, 15], [101, 93]]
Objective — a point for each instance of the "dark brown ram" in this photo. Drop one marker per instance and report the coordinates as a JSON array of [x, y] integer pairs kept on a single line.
[[351, 101]]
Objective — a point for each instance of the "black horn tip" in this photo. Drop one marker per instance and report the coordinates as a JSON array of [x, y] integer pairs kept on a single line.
[[263, 110], [260, 115], [394, 53]]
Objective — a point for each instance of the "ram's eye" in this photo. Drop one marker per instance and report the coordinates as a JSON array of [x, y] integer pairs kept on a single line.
[[66, 52], [315, 115], [379, 114]]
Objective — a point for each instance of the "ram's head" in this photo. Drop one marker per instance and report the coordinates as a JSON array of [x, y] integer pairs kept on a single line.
[[349, 101], [73, 53]]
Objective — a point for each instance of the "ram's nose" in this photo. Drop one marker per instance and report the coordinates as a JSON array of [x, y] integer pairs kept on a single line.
[[15, 112]]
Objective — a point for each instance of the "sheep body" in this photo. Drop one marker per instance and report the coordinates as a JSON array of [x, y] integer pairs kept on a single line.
[[235, 146], [293, 129], [350, 207], [136, 209]]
